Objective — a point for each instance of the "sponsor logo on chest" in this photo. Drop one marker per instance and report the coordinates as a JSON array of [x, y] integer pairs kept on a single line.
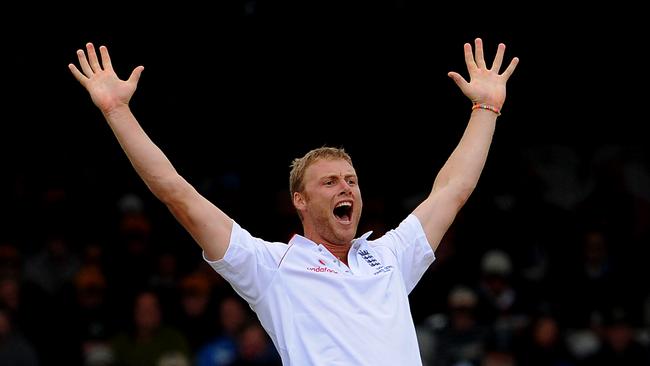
[[322, 268]]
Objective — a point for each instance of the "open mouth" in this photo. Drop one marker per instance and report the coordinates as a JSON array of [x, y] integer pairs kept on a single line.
[[343, 211]]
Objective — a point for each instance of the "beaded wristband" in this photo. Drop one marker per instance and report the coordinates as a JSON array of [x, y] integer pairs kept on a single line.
[[489, 107]]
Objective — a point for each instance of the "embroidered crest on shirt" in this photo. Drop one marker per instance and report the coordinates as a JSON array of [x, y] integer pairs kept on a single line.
[[373, 262], [369, 258]]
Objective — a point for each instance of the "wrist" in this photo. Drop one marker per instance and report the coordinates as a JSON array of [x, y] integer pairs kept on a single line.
[[488, 107], [114, 110]]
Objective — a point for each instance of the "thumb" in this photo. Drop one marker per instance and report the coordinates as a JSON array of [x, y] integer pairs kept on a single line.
[[135, 75], [459, 80]]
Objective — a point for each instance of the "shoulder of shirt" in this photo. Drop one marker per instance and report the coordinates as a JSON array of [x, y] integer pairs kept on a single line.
[[239, 230]]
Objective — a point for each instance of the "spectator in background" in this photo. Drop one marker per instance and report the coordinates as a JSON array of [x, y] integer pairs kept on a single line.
[[10, 261], [255, 348], [165, 279], [49, 275], [133, 249], [618, 206], [618, 346], [544, 345], [223, 350], [23, 315], [92, 321], [591, 286], [456, 338], [14, 349], [497, 357], [496, 293], [51, 269], [499, 304], [195, 318], [10, 300], [150, 342]]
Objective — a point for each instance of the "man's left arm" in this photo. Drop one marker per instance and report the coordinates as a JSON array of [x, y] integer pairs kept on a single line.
[[459, 175]]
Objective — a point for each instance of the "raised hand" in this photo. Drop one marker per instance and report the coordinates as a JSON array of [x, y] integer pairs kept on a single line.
[[486, 85], [106, 89]]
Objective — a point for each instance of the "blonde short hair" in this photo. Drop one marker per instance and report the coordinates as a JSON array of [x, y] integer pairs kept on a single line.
[[299, 165]]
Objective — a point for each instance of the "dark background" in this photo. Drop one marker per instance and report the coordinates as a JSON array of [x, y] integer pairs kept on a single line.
[[241, 88], [233, 91], [251, 85]]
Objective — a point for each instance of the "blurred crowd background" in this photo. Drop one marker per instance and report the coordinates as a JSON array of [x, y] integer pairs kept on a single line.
[[545, 265]]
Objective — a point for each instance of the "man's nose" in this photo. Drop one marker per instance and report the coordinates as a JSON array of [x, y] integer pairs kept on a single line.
[[345, 188]]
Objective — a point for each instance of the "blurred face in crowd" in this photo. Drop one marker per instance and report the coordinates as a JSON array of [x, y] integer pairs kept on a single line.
[[147, 312], [5, 325], [253, 343], [619, 336], [233, 315], [546, 332]]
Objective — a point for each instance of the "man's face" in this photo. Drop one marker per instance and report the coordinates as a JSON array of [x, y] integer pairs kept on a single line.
[[331, 205], [147, 312]]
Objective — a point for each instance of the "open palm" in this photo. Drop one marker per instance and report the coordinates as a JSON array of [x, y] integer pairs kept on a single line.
[[106, 89], [486, 85]]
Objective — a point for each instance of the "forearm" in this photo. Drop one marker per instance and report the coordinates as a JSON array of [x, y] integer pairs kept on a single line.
[[149, 161], [207, 224], [463, 168], [457, 178], [460, 173]]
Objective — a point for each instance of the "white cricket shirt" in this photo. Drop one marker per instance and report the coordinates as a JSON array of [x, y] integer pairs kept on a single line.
[[317, 310]]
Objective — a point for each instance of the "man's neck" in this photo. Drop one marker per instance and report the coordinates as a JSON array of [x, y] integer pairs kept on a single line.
[[339, 251]]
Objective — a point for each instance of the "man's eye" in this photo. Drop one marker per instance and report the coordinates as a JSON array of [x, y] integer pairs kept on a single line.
[[329, 182], [352, 182]]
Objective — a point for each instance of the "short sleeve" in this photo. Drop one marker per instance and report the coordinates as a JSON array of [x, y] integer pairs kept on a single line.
[[409, 245], [249, 264]]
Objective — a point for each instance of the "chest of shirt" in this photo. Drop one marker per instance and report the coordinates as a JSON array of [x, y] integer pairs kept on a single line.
[[313, 278]]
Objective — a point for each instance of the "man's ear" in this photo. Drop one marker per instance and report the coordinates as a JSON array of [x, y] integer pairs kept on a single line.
[[299, 201]]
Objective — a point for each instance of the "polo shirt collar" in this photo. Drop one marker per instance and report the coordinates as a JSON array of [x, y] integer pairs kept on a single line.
[[300, 240]]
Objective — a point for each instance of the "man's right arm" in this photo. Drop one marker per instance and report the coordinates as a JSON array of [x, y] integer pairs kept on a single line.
[[207, 224]]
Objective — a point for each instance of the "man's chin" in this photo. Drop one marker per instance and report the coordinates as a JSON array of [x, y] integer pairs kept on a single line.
[[346, 233]]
